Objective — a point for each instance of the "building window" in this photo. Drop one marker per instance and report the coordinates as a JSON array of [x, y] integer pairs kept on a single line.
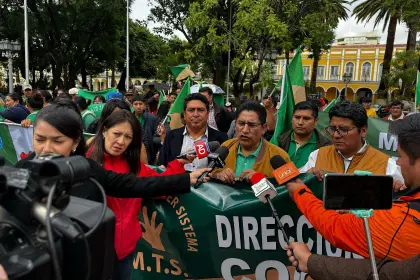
[[366, 67], [350, 68], [380, 68], [306, 72], [334, 73], [320, 73]]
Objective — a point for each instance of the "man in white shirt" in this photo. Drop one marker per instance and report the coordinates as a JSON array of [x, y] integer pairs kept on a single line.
[[350, 151]]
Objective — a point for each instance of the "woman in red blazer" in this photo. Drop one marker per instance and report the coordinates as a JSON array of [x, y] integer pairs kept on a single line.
[[117, 147]]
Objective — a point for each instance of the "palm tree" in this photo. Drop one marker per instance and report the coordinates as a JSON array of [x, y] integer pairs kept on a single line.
[[391, 14]]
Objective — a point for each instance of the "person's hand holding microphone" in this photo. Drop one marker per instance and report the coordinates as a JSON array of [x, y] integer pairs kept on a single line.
[[298, 254]]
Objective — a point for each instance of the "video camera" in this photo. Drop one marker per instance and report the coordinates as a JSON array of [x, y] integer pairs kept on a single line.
[[45, 233]]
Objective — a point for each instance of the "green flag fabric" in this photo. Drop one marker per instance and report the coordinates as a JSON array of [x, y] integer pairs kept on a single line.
[[285, 113], [181, 72], [330, 105], [417, 99], [162, 97], [178, 106], [96, 108], [219, 99], [296, 77], [91, 94], [15, 142]]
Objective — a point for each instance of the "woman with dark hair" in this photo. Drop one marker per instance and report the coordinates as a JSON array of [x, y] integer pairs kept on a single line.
[[87, 116], [118, 150], [47, 96], [99, 99], [58, 129], [15, 111], [110, 107]]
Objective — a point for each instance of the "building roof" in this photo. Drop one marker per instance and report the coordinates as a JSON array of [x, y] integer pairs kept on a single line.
[[366, 46]]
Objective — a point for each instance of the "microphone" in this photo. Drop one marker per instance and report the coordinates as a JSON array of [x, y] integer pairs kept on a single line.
[[283, 172], [202, 149], [265, 191], [262, 188], [216, 160], [59, 222]]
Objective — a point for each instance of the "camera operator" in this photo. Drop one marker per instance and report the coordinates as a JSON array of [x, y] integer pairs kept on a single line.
[[58, 129], [401, 222]]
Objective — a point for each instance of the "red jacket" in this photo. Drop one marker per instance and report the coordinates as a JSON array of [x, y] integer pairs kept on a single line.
[[126, 210]]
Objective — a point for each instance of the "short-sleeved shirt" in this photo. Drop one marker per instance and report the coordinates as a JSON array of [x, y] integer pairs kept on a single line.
[[246, 163], [32, 116], [299, 154]]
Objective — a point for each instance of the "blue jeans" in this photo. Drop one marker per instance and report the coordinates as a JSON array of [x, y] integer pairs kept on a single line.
[[124, 268]]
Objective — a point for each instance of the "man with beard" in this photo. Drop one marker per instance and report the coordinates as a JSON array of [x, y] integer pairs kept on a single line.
[[249, 152], [181, 140], [303, 139]]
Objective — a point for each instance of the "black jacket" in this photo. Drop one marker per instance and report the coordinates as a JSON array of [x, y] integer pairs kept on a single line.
[[223, 118], [284, 140], [173, 143], [126, 185], [149, 128]]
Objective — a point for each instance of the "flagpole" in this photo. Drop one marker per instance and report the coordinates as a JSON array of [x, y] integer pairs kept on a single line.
[[25, 13], [127, 81], [230, 35]]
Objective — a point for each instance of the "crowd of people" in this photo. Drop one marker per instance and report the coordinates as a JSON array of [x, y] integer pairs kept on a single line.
[[133, 131]]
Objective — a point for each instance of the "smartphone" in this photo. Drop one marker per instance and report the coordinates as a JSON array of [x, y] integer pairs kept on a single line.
[[353, 192]]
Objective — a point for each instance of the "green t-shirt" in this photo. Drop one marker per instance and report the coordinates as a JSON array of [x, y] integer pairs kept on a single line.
[[88, 117], [300, 155], [32, 116], [141, 120], [246, 163]]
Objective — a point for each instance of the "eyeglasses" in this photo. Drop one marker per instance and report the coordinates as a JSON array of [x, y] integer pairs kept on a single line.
[[251, 125], [342, 131]]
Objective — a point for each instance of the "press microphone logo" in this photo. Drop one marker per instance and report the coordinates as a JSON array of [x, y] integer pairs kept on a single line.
[[201, 148]]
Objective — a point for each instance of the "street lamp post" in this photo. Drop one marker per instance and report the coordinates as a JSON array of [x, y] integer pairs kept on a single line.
[[8, 48], [346, 78]]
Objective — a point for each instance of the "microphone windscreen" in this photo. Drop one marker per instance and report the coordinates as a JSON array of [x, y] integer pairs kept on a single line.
[[213, 146], [257, 177], [223, 152], [277, 161]]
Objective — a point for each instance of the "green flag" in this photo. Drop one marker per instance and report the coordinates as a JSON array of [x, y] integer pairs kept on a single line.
[[91, 94], [417, 99], [287, 105], [178, 107], [181, 72], [296, 77], [162, 97], [330, 105]]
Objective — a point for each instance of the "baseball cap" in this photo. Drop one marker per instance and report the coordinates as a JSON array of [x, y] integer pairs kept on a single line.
[[27, 87], [73, 91]]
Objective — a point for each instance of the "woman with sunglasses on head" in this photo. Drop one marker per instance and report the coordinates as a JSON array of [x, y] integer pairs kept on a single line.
[[117, 148], [58, 129]]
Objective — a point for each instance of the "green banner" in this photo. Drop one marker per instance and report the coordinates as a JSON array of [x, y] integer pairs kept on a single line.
[[91, 94], [223, 232]]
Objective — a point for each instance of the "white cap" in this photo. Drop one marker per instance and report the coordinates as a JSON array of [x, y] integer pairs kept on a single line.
[[73, 91], [28, 86]]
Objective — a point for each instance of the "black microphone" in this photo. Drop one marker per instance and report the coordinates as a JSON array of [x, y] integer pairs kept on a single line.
[[216, 160], [213, 146]]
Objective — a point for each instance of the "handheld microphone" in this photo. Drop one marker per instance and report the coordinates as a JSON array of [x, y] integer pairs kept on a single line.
[[202, 149], [265, 191], [216, 160], [283, 172], [262, 188]]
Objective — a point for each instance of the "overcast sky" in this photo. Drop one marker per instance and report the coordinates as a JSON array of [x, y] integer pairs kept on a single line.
[[141, 10]]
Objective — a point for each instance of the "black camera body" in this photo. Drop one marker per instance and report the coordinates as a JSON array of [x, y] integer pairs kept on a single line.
[[24, 250]]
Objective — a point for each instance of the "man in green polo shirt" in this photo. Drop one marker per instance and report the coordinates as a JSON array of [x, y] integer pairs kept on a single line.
[[303, 139]]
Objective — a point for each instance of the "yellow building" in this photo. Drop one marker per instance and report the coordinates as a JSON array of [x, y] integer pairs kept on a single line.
[[363, 62]]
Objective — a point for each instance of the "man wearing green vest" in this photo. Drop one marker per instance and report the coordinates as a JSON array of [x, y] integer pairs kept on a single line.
[[303, 139]]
